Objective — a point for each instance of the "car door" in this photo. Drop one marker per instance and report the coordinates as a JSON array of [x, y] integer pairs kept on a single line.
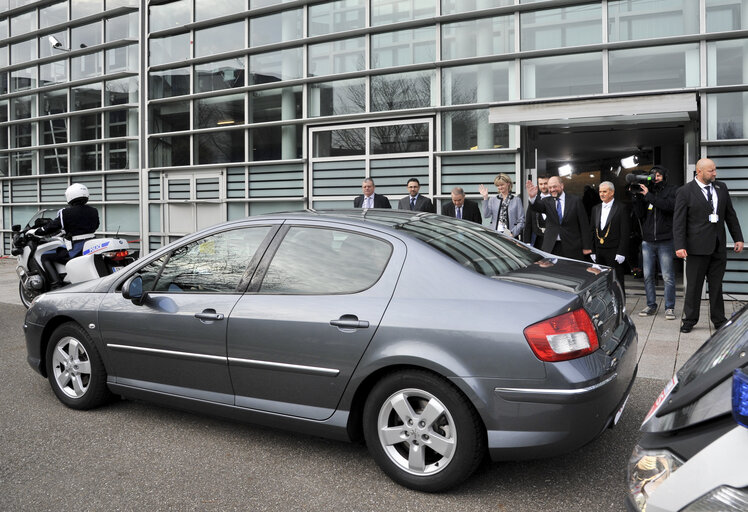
[[296, 336], [175, 341]]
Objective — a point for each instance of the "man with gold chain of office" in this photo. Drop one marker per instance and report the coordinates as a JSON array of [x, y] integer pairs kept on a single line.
[[610, 229]]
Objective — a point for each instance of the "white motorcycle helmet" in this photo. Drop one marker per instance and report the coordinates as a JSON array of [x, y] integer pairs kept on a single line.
[[76, 191]]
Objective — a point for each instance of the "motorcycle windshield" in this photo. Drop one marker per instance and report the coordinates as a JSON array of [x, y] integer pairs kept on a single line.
[[704, 384], [41, 217]]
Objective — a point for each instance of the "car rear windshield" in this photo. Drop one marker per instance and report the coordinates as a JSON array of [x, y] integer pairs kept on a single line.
[[473, 246]]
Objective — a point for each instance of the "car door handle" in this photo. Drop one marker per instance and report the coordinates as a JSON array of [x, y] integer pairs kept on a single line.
[[209, 314], [349, 322]]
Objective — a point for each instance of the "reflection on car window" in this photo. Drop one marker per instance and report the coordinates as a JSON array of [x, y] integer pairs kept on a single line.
[[325, 261], [473, 246], [212, 264]]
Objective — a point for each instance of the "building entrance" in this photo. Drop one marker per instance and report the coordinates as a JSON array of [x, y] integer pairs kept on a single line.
[[585, 156], [591, 141]]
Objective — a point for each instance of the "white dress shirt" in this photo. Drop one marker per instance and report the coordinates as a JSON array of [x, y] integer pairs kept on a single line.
[[714, 193], [605, 212]]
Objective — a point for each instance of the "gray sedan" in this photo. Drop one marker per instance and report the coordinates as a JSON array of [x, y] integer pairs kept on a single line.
[[433, 339]]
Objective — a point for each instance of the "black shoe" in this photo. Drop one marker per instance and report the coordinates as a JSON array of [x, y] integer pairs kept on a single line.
[[686, 328]]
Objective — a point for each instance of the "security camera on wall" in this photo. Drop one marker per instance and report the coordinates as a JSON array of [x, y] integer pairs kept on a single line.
[[56, 44]]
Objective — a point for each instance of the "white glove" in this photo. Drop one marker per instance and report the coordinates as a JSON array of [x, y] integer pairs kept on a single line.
[[593, 258], [620, 259]]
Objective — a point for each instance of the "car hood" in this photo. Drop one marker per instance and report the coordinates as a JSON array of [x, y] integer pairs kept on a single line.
[[85, 287], [702, 388]]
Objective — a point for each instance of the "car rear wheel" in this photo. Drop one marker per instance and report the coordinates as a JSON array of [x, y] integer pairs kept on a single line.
[[422, 431], [75, 369]]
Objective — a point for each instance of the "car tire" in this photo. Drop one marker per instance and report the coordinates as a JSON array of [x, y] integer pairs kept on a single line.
[[422, 431], [75, 369]]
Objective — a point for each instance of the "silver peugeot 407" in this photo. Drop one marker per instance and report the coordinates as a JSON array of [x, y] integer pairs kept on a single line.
[[433, 339]]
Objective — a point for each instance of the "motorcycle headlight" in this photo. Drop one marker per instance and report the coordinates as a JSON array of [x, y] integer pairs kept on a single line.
[[647, 470]]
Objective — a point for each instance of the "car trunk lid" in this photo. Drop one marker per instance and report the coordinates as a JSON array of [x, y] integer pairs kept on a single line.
[[595, 286]]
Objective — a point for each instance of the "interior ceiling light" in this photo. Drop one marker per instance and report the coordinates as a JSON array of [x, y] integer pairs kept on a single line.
[[565, 170], [225, 122]]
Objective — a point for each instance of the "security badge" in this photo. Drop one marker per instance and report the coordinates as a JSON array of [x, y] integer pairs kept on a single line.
[[713, 217]]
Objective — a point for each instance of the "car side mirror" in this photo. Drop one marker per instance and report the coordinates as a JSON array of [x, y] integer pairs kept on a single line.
[[132, 290]]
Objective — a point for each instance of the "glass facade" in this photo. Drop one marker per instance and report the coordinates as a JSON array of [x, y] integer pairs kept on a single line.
[[223, 115]]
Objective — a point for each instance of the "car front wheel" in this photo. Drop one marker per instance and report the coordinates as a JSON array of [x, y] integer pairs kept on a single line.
[[75, 369], [422, 431]]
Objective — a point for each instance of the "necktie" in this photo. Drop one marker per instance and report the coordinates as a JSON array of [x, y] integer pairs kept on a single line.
[[459, 212], [709, 197], [412, 203], [368, 202], [558, 210]]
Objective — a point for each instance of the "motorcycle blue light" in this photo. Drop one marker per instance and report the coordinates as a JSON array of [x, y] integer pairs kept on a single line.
[[740, 396]]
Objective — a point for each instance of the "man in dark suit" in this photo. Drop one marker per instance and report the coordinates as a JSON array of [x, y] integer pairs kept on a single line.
[[462, 208], [702, 208], [567, 231], [610, 231], [369, 199], [534, 221], [415, 201]]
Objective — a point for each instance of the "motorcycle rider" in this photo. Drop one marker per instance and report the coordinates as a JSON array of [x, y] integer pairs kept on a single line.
[[78, 221], [654, 206]]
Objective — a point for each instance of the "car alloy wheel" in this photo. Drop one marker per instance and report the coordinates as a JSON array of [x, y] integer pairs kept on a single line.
[[71, 367], [74, 368], [417, 432], [422, 431]]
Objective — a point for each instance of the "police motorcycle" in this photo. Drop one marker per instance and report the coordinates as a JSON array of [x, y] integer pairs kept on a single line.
[[100, 257]]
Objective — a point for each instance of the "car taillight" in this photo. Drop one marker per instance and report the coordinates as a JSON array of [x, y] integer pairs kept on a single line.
[[563, 337]]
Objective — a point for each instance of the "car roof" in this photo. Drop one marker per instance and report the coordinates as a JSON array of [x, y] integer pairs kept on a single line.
[[393, 219]]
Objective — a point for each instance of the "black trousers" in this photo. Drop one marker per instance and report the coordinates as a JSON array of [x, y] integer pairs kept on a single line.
[[538, 242], [608, 257], [560, 250], [60, 255], [712, 267]]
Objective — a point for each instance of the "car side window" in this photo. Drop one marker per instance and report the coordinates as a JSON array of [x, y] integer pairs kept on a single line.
[[214, 264], [321, 261]]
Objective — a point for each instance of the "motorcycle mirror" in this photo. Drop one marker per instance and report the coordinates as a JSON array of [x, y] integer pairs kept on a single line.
[[16, 227], [132, 290]]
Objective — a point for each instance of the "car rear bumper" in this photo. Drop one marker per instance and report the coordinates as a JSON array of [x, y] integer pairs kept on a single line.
[[528, 423]]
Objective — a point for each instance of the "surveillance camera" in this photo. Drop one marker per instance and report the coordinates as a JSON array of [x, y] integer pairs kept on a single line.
[[55, 42]]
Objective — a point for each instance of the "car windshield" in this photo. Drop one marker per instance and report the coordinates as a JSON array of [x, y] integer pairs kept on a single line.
[[472, 245], [725, 344]]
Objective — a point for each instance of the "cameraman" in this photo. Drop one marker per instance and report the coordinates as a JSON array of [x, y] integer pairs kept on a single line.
[[654, 207]]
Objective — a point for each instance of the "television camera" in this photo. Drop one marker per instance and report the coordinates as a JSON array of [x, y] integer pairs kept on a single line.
[[635, 180]]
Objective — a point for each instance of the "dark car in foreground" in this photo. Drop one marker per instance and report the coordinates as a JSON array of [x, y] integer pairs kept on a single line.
[[693, 453], [433, 339]]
